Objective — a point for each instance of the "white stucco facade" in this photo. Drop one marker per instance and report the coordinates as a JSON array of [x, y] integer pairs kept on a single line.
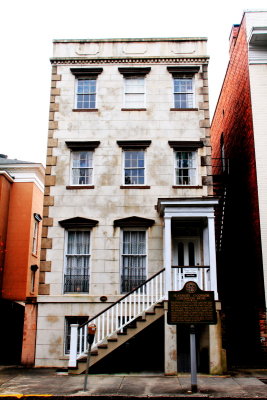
[[158, 129]]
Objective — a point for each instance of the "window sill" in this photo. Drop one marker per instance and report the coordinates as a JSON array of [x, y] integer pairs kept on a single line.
[[80, 187], [183, 109], [133, 109], [76, 294], [134, 187], [186, 187], [85, 109]]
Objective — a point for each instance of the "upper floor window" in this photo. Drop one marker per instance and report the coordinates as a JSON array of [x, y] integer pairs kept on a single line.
[[86, 88], [134, 167], [183, 86], [185, 168], [186, 160], [134, 95], [183, 92], [86, 93], [81, 164], [134, 87], [82, 168]]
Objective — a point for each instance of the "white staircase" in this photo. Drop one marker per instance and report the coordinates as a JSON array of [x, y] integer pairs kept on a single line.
[[119, 322]]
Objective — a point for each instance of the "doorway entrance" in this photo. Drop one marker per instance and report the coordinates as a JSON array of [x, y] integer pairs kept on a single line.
[[187, 260]]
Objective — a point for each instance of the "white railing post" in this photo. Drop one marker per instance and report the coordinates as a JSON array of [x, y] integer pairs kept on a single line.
[[212, 257], [73, 345], [167, 255]]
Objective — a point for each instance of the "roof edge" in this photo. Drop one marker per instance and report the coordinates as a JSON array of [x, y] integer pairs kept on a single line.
[[168, 39]]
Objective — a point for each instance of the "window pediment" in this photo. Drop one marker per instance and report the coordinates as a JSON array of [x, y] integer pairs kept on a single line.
[[80, 72], [78, 222], [185, 145], [133, 222], [183, 70], [133, 144], [132, 71], [80, 146]]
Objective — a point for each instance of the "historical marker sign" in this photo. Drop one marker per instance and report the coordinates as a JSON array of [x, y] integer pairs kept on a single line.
[[191, 305]]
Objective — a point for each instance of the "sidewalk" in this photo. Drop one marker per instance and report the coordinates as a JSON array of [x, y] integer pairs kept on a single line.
[[21, 382]]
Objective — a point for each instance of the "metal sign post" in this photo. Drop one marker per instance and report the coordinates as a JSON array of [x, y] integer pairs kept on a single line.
[[193, 359], [191, 306], [90, 340]]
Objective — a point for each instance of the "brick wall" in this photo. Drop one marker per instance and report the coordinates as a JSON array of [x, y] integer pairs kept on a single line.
[[239, 262]]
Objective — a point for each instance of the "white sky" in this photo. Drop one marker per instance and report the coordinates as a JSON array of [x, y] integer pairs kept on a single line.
[[28, 28]]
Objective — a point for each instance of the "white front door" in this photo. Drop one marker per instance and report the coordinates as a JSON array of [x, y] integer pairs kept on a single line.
[[187, 256]]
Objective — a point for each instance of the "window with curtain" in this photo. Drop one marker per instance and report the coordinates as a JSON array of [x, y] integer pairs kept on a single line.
[[134, 96], [82, 168], [185, 168], [77, 258], [133, 260]]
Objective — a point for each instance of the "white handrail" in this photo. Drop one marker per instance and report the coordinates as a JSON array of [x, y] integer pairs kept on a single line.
[[115, 318]]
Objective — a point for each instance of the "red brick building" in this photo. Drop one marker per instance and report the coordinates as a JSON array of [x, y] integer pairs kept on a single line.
[[21, 202], [239, 148]]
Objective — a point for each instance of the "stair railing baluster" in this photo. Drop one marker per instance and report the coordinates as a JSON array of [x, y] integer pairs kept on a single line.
[[130, 306], [107, 323], [116, 316]]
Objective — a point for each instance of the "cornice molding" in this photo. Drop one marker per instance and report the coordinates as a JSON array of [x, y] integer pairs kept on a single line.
[[123, 60]]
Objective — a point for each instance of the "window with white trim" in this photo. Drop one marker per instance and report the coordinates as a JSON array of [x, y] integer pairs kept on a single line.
[[82, 168], [134, 167], [35, 237], [68, 322], [134, 92], [85, 87], [134, 258], [183, 89], [86, 93], [77, 261], [37, 220], [185, 168]]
